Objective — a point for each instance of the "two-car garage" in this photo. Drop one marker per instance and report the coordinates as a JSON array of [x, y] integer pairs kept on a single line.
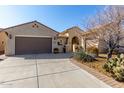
[[30, 38], [33, 45]]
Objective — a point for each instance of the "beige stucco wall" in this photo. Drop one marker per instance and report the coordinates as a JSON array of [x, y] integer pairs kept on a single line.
[[75, 32], [28, 30], [92, 43]]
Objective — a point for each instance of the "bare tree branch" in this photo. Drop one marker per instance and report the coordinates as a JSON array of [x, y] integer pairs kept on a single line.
[[107, 26]]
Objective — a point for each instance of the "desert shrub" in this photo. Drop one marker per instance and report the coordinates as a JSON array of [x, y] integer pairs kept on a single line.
[[93, 51], [79, 55], [118, 73], [108, 66], [83, 56], [116, 67]]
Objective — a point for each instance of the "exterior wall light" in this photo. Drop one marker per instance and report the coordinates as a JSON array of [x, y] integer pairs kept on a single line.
[[10, 36]]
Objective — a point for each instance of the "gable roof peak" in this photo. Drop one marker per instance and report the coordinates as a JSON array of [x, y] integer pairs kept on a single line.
[[29, 23], [74, 28]]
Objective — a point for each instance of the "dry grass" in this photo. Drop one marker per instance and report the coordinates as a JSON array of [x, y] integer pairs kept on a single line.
[[98, 65]]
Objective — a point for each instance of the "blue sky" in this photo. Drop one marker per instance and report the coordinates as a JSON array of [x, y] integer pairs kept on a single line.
[[58, 18]]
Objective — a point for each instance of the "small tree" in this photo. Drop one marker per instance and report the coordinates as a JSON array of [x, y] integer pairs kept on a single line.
[[108, 27]]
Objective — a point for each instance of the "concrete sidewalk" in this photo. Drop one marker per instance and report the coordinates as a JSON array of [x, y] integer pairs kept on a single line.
[[45, 71]]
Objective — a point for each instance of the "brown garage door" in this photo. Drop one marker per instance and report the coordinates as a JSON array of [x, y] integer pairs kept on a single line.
[[32, 45]]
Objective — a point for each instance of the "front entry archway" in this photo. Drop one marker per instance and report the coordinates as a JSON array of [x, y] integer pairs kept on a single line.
[[75, 44]]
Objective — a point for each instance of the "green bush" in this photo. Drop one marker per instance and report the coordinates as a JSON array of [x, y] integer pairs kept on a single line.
[[93, 51], [116, 67], [83, 56]]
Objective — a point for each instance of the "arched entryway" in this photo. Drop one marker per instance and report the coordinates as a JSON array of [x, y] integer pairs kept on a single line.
[[75, 44]]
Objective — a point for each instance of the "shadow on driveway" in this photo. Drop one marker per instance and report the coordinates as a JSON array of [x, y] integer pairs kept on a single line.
[[45, 56]]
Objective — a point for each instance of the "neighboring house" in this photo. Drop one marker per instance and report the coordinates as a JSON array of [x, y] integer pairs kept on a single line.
[[100, 33], [90, 40], [2, 43]]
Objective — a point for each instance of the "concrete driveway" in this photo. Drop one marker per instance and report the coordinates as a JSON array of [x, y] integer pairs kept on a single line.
[[45, 70]]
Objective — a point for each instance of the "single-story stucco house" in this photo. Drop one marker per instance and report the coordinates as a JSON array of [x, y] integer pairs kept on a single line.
[[35, 37]]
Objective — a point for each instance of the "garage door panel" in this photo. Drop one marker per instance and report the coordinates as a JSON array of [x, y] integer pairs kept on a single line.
[[32, 45]]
